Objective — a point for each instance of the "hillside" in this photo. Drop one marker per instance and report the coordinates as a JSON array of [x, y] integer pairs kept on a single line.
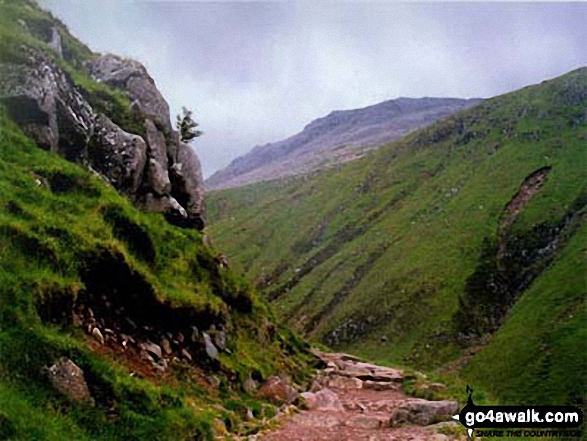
[[342, 136], [460, 247], [115, 322]]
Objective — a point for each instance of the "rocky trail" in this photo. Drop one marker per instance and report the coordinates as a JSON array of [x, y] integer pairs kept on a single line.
[[352, 400]]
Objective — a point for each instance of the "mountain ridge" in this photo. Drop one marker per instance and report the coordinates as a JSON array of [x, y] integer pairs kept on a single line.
[[340, 136]]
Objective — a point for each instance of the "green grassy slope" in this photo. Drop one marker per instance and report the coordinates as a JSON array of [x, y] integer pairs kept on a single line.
[[415, 253], [69, 240], [56, 223]]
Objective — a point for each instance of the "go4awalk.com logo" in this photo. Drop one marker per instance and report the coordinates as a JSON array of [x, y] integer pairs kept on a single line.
[[527, 421]]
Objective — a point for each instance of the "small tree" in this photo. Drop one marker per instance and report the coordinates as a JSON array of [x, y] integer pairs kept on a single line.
[[186, 126]]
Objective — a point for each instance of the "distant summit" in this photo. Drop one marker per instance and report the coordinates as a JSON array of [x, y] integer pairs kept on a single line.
[[343, 135]]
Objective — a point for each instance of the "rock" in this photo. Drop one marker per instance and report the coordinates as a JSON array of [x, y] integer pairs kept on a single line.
[[210, 348], [220, 339], [152, 349], [132, 77], [381, 385], [369, 422], [46, 106], [55, 42], [250, 385], [173, 211], [340, 382], [277, 390], [186, 354], [117, 155], [438, 437], [187, 185], [310, 419], [195, 334], [423, 412], [325, 400], [157, 174], [98, 335], [214, 381], [165, 345], [68, 379]]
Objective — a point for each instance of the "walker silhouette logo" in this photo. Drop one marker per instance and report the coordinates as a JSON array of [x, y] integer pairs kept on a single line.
[[519, 417]]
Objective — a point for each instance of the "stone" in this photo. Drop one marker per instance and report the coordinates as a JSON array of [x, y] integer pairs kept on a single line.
[[157, 173], [132, 77], [195, 334], [423, 412], [277, 390], [340, 382], [310, 419], [369, 422], [55, 42], [220, 339], [210, 348], [165, 345], [117, 155], [380, 385], [325, 400], [68, 379], [186, 354], [250, 385], [98, 335], [187, 185], [153, 349], [46, 106]]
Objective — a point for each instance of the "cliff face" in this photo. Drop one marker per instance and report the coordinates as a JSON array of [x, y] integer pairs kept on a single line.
[[108, 115], [341, 136]]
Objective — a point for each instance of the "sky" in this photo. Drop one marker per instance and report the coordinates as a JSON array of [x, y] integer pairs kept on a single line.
[[258, 71]]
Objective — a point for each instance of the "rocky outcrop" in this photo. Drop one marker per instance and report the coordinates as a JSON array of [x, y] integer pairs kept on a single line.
[[41, 99], [157, 172], [132, 77], [117, 155]]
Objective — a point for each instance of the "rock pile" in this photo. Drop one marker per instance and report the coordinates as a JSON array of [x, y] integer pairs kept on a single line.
[[352, 400], [154, 347]]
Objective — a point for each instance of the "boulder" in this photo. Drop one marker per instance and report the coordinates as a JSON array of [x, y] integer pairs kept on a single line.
[[42, 101], [278, 390], [68, 379], [423, 412], [340, 382], [132, 77], [368, 422], [187, 185], [210, 348], [325, 400], [117, 155]]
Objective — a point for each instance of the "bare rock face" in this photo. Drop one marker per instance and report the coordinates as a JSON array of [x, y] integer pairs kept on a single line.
[[157, 176], [132, 77], [46, 106], [68, 379], [159, 173], [117, 155]]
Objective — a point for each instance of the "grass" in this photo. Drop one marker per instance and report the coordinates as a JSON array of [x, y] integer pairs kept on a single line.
[[54, 217], [389, 245]]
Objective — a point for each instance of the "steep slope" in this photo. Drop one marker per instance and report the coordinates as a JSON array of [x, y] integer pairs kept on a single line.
[[114, 324], [463, 235], [340, 137]]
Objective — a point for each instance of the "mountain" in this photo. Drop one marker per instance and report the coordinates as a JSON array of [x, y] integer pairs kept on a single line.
[[342, 136], [117, 319], [458, 248]]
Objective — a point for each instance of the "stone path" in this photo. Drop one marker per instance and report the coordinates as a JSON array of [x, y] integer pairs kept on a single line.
[[354, 401]]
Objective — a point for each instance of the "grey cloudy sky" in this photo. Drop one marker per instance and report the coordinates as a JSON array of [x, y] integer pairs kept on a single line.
[[258, 71]]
